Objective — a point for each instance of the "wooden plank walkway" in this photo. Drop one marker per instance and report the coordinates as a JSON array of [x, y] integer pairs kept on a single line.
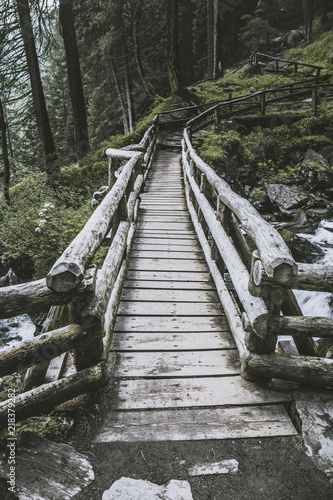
[[176, 363]]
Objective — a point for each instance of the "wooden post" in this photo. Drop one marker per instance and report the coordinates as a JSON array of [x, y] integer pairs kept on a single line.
[[295, 67], [276, 66], [290, 307], [203, 183], [230, 98], [254, 288], [314, 100], [35, 375], [263, 103], [217, 116]]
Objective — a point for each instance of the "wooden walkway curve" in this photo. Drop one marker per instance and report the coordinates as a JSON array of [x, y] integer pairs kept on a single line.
[[176, 363]]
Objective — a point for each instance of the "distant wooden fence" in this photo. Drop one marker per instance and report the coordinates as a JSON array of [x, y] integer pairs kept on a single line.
[[279, 64], [263, 279], [82, 300]]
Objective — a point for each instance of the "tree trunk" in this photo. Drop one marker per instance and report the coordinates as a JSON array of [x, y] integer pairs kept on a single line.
[[3, 127], [120, 97], [66, 18], [214, 42], [128, 98], [324, 10], [308, 10], [137, 50], [173, 48], [43, 124]]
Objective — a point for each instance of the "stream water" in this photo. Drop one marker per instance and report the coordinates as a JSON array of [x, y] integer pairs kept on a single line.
[[319, 303]]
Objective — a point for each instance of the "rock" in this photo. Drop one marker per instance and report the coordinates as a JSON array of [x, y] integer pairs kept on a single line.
[[327, 153], [224, 467], [302, 250], [47, 470], [285, 197], [315, 410], [315, 169], [293, 36], [137, 489], [300, 223]]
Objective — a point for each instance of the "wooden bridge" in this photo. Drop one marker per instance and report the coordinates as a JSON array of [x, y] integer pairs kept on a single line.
[[185, 311]]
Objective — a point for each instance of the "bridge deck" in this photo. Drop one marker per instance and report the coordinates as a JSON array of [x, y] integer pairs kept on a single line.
[[176, 363]]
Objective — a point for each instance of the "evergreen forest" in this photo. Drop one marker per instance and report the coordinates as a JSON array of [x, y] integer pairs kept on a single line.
[[77, 77]]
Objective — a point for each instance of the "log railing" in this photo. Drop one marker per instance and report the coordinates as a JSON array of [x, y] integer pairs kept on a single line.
[[278, 63], [262, 279], [258, 102], [82, 300]]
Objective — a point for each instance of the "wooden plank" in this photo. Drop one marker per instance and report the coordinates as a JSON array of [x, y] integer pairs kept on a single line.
[[140, 394], [165, 217], [169, 308], [181, 276], [145, 233], [196, 424], [166, 265], [177, 364], [196, 296], [165, 246], [170, 242], [166, 254], [171, 324], [166, 285], [161, 341]]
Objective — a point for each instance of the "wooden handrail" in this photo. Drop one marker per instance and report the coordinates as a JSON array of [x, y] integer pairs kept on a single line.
[[67, 272], [275, 254], [80, 299]]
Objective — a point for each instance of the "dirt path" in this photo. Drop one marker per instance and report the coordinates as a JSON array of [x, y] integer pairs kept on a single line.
[[269, 468]]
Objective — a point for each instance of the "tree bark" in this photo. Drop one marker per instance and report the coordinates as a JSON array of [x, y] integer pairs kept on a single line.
[[308, 11], [43, 124], [66, 18], [173, 48], [324, 10], [120, 97], [137, 50], [3, 127]]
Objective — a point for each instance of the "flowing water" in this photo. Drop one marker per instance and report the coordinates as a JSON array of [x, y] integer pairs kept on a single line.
[[319, 303], [14, 330]]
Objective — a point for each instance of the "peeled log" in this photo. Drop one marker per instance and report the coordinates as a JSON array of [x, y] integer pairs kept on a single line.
[[307, 370], [34, 296], [274, 253], [44, 398], [308, 326], [42, 348], [254, 307], [67, 272]]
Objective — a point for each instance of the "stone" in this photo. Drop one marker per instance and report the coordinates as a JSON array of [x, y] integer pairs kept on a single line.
[[285, 197], [47, 470], [312, 156], [137, 489], [315, 411], [223, 467]]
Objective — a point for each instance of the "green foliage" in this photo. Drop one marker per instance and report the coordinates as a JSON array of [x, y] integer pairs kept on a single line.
[[319, 52], [40, 223], [215, 147]]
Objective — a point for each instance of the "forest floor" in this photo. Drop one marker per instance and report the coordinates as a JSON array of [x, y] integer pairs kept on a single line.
[[269, 468]]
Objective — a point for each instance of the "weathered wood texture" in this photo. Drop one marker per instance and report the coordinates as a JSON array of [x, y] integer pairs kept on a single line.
[[302, 369], [301, 325], [189, 424], [34, 296], [274, 253], [68, 271], [254, 306], [42, 348], [172, 346], [46, 397]]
